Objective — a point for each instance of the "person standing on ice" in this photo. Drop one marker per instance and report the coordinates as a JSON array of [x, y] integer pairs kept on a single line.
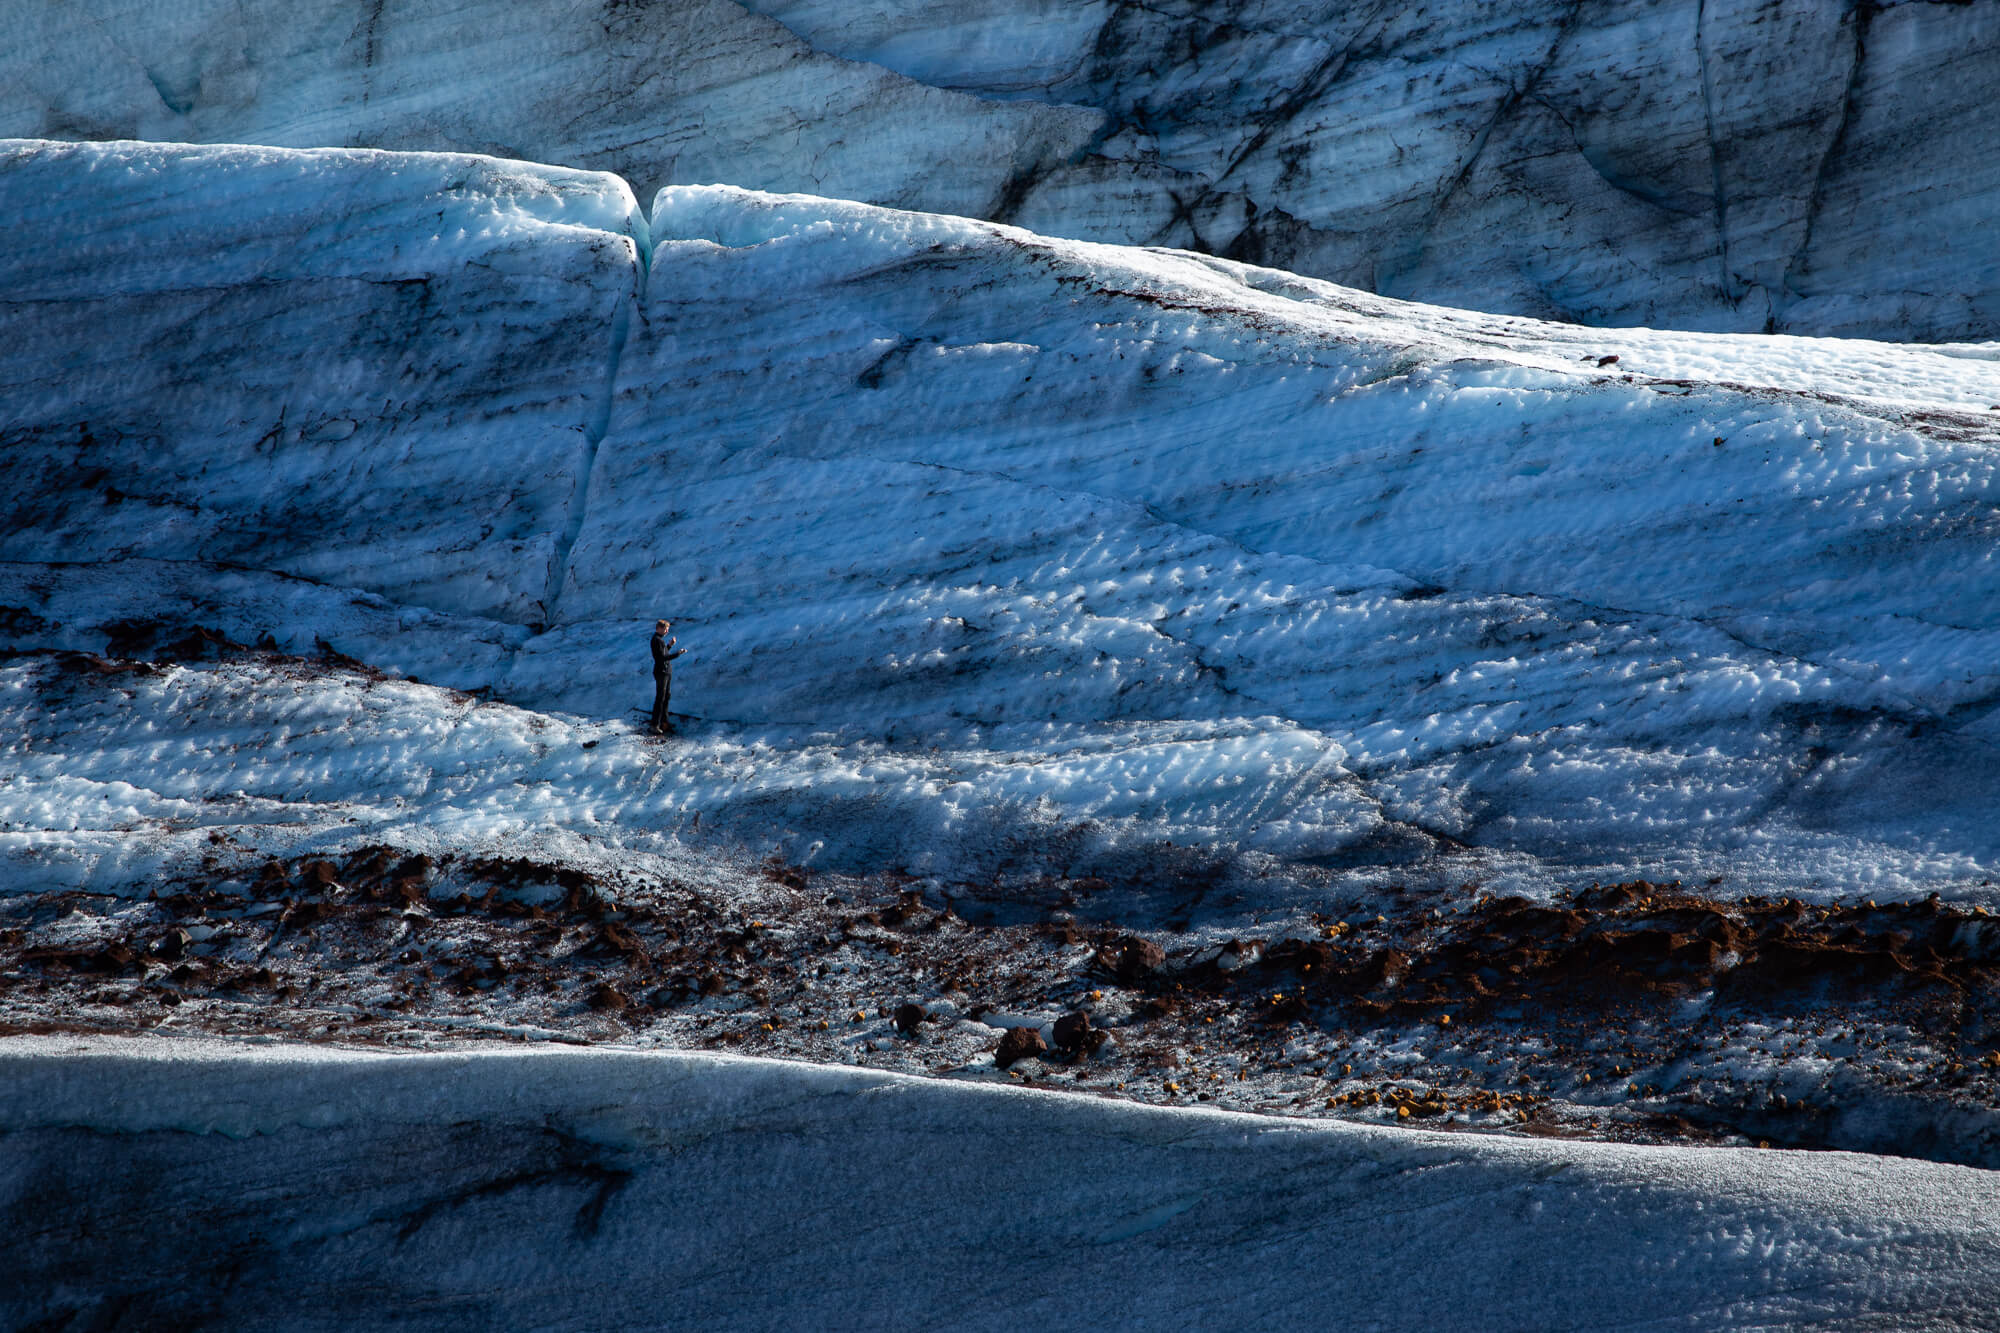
[[664, 654]]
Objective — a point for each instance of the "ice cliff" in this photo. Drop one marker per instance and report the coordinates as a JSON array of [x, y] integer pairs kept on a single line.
[[1722, 164], [997, 552]]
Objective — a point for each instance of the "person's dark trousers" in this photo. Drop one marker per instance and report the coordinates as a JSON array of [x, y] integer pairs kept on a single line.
[[662, 686]]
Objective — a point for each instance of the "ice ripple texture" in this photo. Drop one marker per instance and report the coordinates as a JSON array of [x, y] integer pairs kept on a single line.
[[997, 554]]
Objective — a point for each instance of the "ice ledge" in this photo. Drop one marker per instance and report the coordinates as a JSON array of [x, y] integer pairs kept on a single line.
[[617, 1189], [480, 194]]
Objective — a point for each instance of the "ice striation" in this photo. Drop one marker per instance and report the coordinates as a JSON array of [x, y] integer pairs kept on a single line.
[[308, 1188], [998, 556], [1741, 165], [230, 348]]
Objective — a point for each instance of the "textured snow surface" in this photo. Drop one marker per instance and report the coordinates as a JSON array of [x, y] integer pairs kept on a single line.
[[1738, 164], [250, 1187], [988, 549]]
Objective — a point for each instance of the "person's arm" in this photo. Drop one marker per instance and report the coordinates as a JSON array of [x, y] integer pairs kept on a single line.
[[673, 652]]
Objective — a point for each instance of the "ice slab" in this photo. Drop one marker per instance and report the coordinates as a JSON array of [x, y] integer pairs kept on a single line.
[[248, 1186]]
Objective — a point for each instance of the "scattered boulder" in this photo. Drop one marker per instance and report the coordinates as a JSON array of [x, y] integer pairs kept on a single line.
[[607, 998], [778, 871], [908, 1017], [1063, 931], [110, 958], [1133, 959], [1019, 1044], [908, 905], [1075, 1037]]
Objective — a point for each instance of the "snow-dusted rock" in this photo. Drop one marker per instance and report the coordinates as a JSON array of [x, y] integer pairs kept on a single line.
[[993, 553], [1723, 164], [193, 1183]]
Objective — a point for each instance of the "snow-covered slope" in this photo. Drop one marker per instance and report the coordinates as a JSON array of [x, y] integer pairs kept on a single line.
[[1728, 164], [167, 1184], [971, 530]]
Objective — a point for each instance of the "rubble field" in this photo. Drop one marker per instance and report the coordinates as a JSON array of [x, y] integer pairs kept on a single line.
[[1637, 1011]]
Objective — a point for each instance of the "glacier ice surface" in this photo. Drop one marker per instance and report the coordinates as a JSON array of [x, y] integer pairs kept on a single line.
[[997, 554]]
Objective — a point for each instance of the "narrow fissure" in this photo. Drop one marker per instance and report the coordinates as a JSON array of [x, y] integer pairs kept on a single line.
[[599, 424], [1729, 285], [1859, 19]]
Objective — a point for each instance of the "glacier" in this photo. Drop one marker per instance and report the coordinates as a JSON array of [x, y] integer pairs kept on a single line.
[[999, 555], [1080, 588], [1723, 164]]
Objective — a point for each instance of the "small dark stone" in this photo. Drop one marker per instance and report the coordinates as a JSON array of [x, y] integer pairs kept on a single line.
[[908, 1017], [608, 998], [1018, 1044]]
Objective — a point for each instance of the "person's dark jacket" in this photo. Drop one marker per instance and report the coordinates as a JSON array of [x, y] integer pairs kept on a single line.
[[664, 654]]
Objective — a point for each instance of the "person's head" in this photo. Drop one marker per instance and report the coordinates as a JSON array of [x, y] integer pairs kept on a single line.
[[661, 627]]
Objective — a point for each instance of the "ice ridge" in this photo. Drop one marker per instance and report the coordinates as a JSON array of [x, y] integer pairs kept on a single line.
[[1727, 164]]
